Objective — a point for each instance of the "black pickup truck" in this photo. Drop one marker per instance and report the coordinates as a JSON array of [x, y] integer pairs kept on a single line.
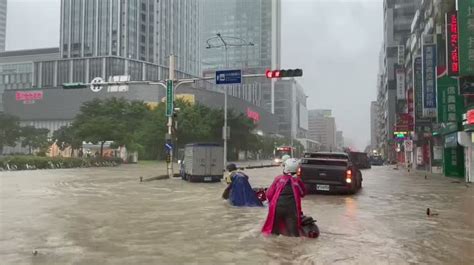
[[329, 172]]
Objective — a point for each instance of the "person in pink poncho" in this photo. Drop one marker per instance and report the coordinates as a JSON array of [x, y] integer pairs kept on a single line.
[[284, 198]]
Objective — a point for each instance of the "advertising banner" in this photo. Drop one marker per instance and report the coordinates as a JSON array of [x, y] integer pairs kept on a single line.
[[450, 103], [452, 37], [466, 37], [400, 76], [429, 80], [422, 125], [28, 97], [418, 88]]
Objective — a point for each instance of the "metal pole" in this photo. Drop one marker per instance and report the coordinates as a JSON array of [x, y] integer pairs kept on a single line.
[[225, 109], [170, 119]]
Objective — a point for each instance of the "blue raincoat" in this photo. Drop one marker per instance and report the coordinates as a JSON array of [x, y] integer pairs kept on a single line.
[[241, 193]]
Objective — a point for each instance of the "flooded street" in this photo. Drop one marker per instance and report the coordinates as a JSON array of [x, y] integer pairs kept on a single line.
[[106, 216]]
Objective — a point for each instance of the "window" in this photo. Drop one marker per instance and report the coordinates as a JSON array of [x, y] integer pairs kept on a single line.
[[63, 72], [47, 74], [79, 73]]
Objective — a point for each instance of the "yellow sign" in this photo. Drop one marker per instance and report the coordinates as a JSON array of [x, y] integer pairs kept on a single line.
[[152, 105], [189, 98]]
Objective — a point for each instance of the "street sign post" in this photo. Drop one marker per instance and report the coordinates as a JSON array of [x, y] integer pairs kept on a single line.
[[168, 147], [228, 77], [169, 98]]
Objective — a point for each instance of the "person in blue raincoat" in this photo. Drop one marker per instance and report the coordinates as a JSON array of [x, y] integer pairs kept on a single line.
[[239, 192]]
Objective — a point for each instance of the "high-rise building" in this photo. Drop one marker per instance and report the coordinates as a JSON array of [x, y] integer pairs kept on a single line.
[[3, 24], [290, 109], [142, 30], [398, 16], [243, 22], [340, 140], [253, 21], [123, 38], [373, 124], [322, 128]]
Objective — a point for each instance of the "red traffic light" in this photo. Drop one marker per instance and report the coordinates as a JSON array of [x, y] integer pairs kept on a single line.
[[272, 74], [283, 73]]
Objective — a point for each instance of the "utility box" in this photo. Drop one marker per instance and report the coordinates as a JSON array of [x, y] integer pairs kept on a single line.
[[203, 162]]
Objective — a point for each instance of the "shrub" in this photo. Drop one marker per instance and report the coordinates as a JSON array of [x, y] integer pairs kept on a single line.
[[24, 162]]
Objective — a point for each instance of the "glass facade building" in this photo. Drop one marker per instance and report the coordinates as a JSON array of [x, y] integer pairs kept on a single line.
[[240, 22], [141, 30], [249, 20], [3, 23]]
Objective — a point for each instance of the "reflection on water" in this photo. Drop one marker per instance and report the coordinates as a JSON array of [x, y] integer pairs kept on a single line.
[[106, 216]]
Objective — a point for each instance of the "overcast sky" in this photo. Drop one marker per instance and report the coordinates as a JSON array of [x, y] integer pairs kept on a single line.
[[335, 42]]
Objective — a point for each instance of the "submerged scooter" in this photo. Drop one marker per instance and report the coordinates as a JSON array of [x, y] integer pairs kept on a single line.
[[310, 229], [308, 224]]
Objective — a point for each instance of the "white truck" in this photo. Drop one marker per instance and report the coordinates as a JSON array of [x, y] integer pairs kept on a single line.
[[203, 162]]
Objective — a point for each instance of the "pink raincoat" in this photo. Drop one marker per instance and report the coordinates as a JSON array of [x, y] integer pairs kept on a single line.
[[273, 193]]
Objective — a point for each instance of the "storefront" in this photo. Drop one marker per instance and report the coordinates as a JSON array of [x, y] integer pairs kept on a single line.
[[453, 156], [467, 141], [449, 117]]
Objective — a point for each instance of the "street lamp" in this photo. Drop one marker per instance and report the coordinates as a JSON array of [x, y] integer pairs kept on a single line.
[[226, 43]]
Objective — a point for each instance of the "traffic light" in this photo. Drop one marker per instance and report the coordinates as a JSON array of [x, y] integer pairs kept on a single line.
[[283, 73], [74, 85]]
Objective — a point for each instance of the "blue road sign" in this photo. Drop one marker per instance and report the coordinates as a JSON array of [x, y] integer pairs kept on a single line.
[[168, 146], [228, 77]]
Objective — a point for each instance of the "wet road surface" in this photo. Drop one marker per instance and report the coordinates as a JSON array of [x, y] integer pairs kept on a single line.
[[106, 216]]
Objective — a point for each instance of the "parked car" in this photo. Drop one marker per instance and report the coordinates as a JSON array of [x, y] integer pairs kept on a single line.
[[360, 159], [376, 161], [329, 172]]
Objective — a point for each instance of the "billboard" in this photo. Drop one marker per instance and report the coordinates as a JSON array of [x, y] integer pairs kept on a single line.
[[418, 87], [253, 115], [450, 103], [422, 125], [28, 97], [400, 76], [452, 36], [429, 80], [466, 36]]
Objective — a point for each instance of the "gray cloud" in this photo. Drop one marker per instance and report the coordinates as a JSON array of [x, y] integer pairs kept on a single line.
[[32, 24], [337, 45]]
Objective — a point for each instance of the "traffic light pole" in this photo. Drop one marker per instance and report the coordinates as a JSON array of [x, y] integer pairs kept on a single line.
[[170, 119]]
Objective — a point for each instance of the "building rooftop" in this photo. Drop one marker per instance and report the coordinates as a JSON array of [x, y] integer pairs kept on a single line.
[[29, 52]]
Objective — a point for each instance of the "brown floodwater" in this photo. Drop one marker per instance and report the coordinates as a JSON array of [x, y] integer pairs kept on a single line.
[[106, 216]]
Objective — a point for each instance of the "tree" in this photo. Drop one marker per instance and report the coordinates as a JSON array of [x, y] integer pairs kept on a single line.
[[151, 133], [9, 130], [34, 137], [66, 137], [242, 137], [113, 119], [195, 123]]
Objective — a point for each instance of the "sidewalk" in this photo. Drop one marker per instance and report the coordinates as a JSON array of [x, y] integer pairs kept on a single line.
[[426, 174]]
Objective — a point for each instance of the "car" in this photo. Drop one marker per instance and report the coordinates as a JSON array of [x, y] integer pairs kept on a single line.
[[329, 172], [360, 159], [376, 161]]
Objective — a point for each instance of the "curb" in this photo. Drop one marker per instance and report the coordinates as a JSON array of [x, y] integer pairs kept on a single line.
[[261, 166]]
